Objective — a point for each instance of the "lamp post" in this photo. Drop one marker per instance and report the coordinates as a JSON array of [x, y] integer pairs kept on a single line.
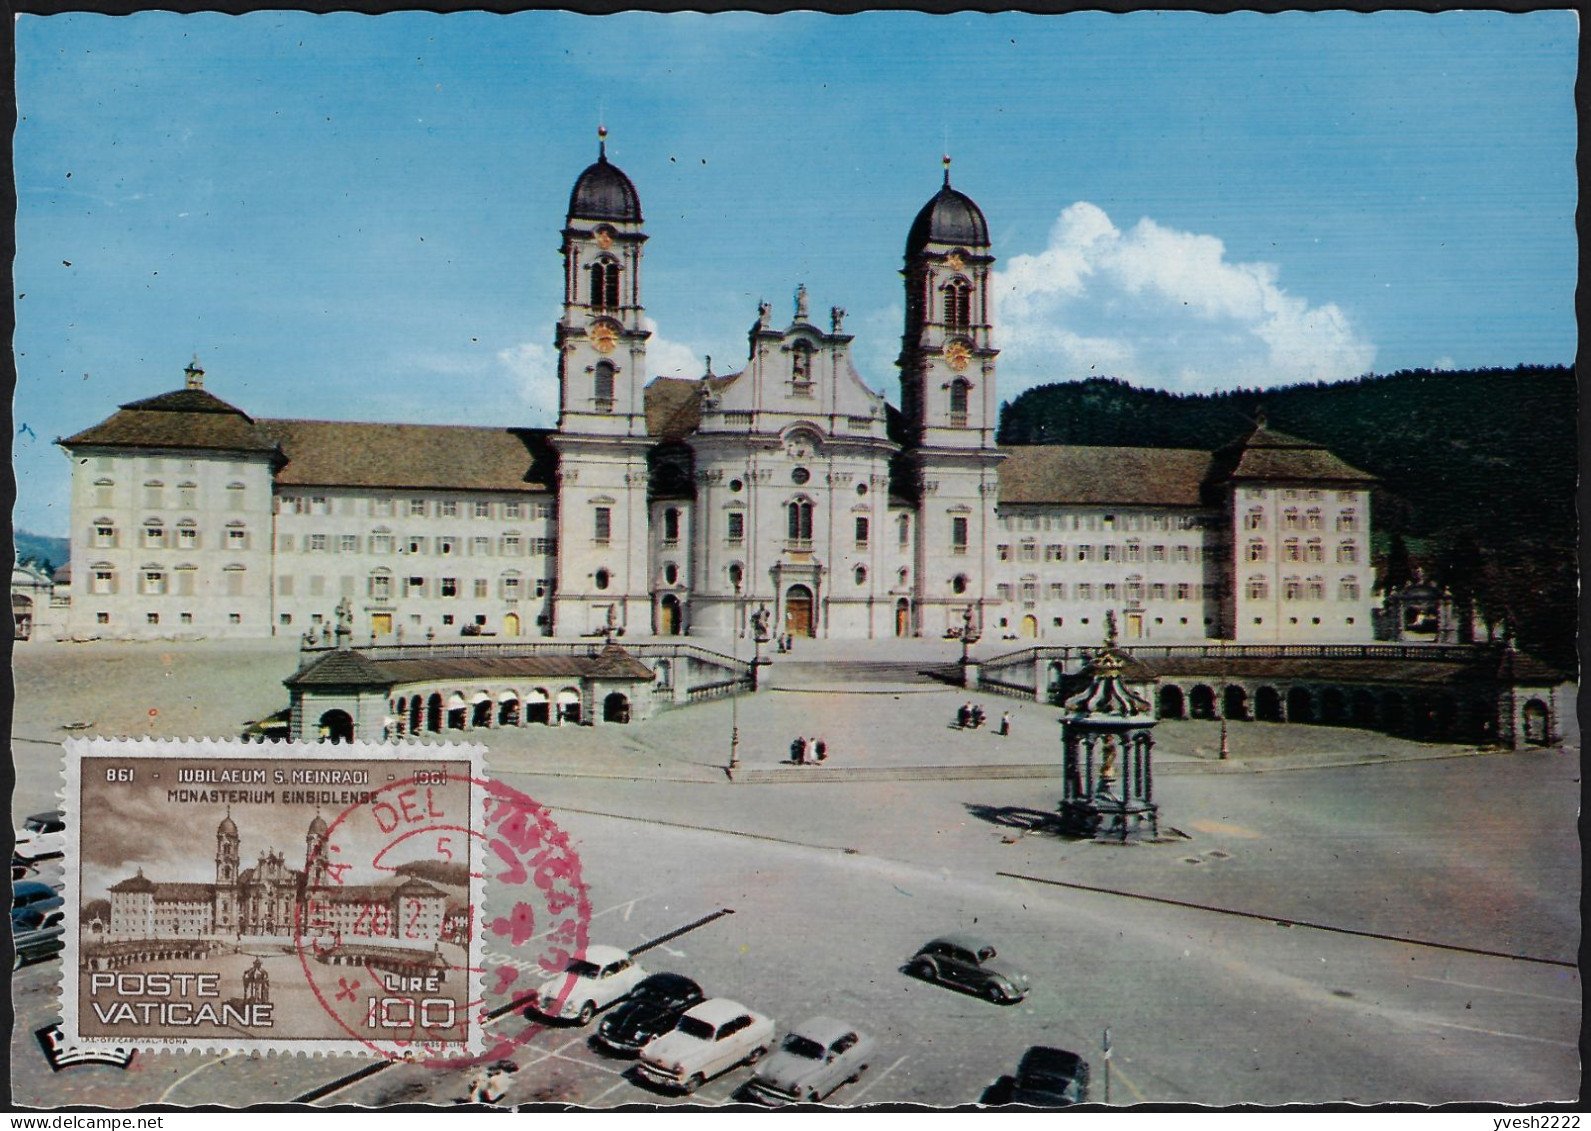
[[734, 687]]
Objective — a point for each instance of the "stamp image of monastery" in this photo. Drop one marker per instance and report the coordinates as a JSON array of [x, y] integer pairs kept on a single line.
[[273, 899]]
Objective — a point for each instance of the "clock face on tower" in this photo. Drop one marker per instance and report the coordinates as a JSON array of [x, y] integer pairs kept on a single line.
[[604, 338], [604, 239], [957, 355], [954, 261]]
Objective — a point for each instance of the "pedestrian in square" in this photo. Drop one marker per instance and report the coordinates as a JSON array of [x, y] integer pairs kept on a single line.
[[1005, 724], [821, 749]]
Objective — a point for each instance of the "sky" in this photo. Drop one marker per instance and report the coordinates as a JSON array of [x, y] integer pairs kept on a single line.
[[357, 218]]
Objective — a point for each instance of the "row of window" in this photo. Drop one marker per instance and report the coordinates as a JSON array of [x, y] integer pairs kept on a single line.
[[384, 542], [1307, 494], [382, 585], [1108, 552], [157, 581], [1292, 519], [1107, 591], [417, 507], [1297, 589], [153, 619], [103, 535], [1145, 522], [1314, 550], [156, 495]]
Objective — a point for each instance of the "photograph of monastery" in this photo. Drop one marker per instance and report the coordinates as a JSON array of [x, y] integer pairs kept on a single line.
[[873, 507]]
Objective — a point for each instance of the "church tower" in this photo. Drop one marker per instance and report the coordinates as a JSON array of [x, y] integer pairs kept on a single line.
[[315, 856], [226, 874], [601, 439], [948, 398]]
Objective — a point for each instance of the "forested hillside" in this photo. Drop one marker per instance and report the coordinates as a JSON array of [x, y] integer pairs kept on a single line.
[[1478, 469]]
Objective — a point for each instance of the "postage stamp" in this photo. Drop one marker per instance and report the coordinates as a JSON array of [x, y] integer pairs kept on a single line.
[[275, 897]]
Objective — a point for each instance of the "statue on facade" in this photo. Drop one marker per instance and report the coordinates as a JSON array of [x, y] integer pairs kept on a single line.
[[801, 303], [345, 615], [764, 314], [759, 624], [836, 318]]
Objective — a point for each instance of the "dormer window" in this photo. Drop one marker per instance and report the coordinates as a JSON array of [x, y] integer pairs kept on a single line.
[[958, 305], [605, 284]]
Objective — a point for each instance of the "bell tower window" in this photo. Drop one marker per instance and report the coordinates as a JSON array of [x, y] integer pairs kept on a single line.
[[602, 386], [605, 285], [958, 402], [958, 305]]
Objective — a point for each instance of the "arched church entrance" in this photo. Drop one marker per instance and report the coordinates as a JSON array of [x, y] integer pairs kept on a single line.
[[1030, 627], [511, 624], [798, 611], [903, 616]]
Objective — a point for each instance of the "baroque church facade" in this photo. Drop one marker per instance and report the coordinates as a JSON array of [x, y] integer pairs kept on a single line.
[[663, 506]]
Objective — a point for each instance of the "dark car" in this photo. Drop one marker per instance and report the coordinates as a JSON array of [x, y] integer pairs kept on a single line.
[[1050, 1078], [651, 1010], [969, 963], [32, 893], [37, 932]]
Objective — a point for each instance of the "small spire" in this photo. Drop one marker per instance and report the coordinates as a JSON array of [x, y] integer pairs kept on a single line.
[[602, 143], [946, 160], [194, 374]]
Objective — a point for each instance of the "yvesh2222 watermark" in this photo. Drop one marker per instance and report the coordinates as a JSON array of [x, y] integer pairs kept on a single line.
[[1537, 1123]]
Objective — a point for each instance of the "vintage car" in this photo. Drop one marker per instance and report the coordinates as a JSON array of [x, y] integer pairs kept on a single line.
[[589, 984], [1049, 1077], [710, 1039], [651, 1010], [37, 931], [815, 1058], [41, 836], [969, 963]]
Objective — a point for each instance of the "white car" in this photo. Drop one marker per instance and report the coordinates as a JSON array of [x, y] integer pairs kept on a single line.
[[815, 1058], [713, 1037], [589, 984], [41, 837]]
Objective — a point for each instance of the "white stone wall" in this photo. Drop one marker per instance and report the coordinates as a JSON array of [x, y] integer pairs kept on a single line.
[[187, 553], [413, 562]]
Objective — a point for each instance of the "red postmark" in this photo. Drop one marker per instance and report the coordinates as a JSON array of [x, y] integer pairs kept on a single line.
[[412, 971]]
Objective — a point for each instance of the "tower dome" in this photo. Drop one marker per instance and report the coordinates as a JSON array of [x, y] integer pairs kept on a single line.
[[950, 217], [603, 192], [226, 827], [317, 826]]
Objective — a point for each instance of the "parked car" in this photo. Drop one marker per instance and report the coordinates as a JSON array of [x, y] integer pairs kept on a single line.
[[37, 931], [711, 1038], [1049, 1077], [815, 1058], [32, 893], [969, 963], [588, 985], [41, 836], [651, 1010]]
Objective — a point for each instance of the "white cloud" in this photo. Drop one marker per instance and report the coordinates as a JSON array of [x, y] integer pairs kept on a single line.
[[1163, 307], [534, 366]]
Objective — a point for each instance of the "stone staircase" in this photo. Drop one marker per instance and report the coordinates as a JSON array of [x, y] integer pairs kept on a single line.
[[793, 674]]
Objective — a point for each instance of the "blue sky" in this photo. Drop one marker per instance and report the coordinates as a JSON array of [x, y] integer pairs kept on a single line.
[[355, 217]]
